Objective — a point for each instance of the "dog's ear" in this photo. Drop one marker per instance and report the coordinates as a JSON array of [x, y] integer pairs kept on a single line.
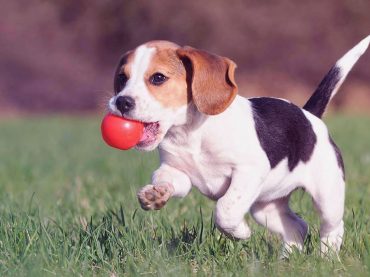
[[211, 79]]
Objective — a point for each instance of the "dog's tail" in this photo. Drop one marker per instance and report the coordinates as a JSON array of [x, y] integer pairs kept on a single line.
[[334, 79]]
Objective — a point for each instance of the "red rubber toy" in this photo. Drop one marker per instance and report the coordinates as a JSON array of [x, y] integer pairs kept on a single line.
[[121, 133]]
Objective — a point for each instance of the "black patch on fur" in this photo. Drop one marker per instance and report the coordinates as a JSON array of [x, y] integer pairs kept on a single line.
[[189, 75], [116, 82], [338, 154], [283, 131], [320, 98]]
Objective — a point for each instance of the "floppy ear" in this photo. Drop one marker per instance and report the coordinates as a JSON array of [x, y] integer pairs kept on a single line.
[[212, 80]]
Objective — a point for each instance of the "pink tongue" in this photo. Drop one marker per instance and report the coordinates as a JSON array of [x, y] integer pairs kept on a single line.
[[147, 134]]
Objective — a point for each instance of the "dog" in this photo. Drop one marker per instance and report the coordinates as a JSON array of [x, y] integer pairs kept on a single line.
[[249, 155]]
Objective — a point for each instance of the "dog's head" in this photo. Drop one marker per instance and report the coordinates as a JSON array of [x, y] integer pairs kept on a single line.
[[156, 83]]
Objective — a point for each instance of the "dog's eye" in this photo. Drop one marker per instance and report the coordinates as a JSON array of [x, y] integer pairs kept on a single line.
[[120, 82], [157, 79]]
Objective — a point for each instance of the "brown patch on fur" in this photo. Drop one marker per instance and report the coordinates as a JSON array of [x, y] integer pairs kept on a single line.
[[173, 93], [212, 82]]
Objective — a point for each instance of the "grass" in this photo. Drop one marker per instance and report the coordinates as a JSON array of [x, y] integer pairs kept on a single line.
[[68, 208]]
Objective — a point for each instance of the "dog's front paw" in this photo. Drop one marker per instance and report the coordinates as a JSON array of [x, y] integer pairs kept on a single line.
[[154, 197]]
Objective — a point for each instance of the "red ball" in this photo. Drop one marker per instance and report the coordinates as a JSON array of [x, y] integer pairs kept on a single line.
[[121, 133]]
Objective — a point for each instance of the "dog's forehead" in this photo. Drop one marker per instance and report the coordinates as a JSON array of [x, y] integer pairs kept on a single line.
[[152, 54], [140, 61], [165, 58]]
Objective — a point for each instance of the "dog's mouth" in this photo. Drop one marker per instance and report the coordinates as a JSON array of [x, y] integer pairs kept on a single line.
[[150, 134]]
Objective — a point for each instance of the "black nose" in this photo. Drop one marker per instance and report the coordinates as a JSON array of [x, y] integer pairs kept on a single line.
[[125, 104]]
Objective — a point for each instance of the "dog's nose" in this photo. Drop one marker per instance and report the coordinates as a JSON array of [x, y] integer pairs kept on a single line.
[[125, 104]]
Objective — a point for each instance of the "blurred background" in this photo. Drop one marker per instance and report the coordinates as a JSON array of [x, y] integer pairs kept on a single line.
[[59, 56]]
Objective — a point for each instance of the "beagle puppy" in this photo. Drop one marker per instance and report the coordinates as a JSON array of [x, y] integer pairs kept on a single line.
[[248, 155]]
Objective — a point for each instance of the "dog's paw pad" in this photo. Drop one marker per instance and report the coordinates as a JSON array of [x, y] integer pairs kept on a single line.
[[154, 197], [149, 196]]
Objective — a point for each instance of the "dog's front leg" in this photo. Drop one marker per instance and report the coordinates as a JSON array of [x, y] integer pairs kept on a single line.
[[167, 181], [230, 209]]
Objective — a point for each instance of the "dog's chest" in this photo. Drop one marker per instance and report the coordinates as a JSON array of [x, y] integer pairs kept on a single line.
[[211, 175]]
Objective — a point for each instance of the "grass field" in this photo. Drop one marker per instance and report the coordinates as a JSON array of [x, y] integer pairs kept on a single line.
[[68, 207]]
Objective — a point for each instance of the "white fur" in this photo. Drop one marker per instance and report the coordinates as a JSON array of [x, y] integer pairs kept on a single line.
[[346, 63]]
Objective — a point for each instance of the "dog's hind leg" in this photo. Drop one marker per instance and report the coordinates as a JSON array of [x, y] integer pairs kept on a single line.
[[277, 217], [329, 202]]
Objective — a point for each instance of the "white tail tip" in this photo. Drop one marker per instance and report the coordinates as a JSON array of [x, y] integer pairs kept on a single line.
[[350, 58]]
